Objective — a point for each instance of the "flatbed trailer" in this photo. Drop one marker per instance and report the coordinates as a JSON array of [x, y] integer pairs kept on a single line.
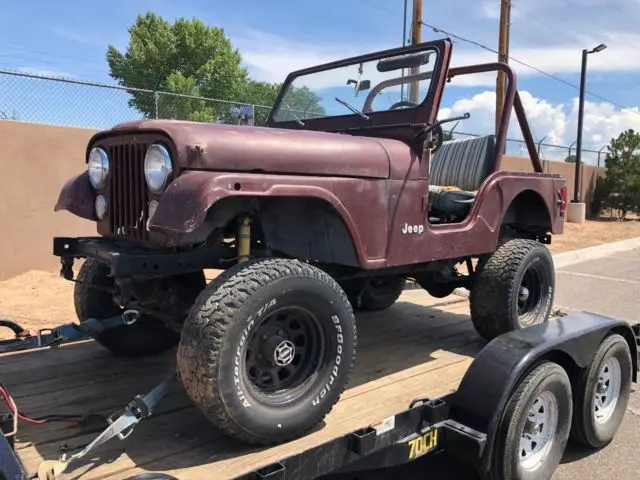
[[403, 402]]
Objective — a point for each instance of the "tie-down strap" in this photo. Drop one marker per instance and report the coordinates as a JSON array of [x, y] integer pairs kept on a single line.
[[47, 337]]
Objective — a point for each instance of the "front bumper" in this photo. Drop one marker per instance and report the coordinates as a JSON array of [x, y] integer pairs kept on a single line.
[[126, 259]]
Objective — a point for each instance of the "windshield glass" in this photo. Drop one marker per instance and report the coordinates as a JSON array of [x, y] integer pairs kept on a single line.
[[359, 89]]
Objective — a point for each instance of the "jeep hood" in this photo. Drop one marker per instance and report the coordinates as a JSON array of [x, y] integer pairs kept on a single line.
[[270, 150]]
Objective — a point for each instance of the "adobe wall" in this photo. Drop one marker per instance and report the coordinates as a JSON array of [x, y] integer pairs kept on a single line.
[[37, 159], [589, 174]]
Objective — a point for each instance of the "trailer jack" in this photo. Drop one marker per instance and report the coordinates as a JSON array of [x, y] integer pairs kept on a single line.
[[121, 425]]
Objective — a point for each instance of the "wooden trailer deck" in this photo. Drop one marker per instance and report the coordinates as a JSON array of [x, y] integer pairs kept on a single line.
[[419, 347]]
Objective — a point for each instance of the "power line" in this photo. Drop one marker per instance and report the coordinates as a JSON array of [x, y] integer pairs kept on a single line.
[[489, 49], [532, 67], [610, 31], [619, 9]]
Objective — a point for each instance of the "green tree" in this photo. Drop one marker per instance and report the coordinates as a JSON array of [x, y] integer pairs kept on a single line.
[[570, 159], [190, 58], [622, 182]]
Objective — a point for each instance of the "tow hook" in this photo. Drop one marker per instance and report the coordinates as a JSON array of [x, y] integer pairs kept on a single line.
[[129, 317]]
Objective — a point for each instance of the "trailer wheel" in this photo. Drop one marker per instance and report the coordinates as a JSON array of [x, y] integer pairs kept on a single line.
[[148, 336], [268, 349], [535, 427], [373, 294], [602, 394], [513, 288]]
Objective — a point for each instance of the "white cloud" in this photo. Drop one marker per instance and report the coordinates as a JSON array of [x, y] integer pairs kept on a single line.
[[270, 57], [558, 123]]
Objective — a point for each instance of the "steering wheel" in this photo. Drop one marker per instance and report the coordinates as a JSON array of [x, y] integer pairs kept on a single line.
[[403, 103]]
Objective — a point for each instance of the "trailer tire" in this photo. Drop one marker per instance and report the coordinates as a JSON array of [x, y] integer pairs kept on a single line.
[[374, 294], [611, 367], [512, 288], [252, 323], [147, 336], [548, 386]]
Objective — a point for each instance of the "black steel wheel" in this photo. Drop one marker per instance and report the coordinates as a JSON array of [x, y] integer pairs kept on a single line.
[[375, 293], [93, 298], [512, 288], [283, 354], [534, 430], [602, 394], [268, 349]]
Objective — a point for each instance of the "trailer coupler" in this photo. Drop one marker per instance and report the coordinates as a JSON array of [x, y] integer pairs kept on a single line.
[[51, 337], [121, 425]]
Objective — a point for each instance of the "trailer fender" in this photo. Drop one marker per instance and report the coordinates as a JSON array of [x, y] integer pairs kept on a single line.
[[571, 341]]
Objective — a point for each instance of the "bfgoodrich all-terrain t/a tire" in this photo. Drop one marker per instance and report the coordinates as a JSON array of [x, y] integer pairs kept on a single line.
[[534, 430], [268, 349], [513, 288], [602, 394], [147, 336]]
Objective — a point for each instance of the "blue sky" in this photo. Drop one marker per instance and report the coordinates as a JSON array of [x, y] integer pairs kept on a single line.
[[70, 38]]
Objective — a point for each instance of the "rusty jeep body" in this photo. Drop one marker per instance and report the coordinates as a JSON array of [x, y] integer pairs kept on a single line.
[[331, 207]]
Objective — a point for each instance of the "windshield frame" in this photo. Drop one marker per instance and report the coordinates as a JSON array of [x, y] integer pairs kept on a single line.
[[423, 113]]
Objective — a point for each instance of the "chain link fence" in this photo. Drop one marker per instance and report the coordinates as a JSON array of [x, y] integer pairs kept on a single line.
[[40, 99], [55, 101]]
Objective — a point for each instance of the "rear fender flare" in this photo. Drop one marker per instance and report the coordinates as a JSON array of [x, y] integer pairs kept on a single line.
[[493, 376], [186, 203]]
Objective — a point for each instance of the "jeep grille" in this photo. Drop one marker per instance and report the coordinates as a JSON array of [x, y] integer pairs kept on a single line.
[[129, 196]]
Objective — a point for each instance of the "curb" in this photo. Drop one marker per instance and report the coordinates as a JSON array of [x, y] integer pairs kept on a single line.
[[565, 259]]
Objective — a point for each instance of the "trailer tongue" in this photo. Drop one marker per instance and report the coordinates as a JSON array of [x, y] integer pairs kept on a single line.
[[527, 389]]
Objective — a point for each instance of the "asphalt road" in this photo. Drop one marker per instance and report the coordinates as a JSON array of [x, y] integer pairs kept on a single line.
[[608, 286]]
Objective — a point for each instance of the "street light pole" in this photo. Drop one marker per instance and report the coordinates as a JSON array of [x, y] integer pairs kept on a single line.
[[583, 80]]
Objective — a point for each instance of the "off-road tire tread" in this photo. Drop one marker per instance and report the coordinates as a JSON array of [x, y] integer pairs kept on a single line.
[[88, 276], [494, 284], [578, 432], [206, 329], [514, 410]]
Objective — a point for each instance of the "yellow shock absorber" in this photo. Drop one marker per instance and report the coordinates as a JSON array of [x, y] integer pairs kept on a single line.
[[244, 240]]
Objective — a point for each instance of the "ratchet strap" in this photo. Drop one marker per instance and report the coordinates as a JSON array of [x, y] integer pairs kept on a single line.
[[49, 337], [121, 425]]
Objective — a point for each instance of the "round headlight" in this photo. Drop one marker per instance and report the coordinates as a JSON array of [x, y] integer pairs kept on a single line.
[[157, 167], [101, 206], [98, 167]]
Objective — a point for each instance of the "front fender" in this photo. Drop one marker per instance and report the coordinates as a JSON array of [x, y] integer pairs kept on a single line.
[[77, 197], [184, 205], [488, 384]]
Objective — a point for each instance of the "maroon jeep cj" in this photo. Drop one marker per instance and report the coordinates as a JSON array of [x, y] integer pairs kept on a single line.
[[350, 190]]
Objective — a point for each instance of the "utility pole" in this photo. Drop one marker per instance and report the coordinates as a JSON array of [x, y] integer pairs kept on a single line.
[[416, 37], [503, 56]]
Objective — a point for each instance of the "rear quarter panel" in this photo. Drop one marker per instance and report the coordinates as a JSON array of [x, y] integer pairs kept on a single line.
[[478, 234]]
